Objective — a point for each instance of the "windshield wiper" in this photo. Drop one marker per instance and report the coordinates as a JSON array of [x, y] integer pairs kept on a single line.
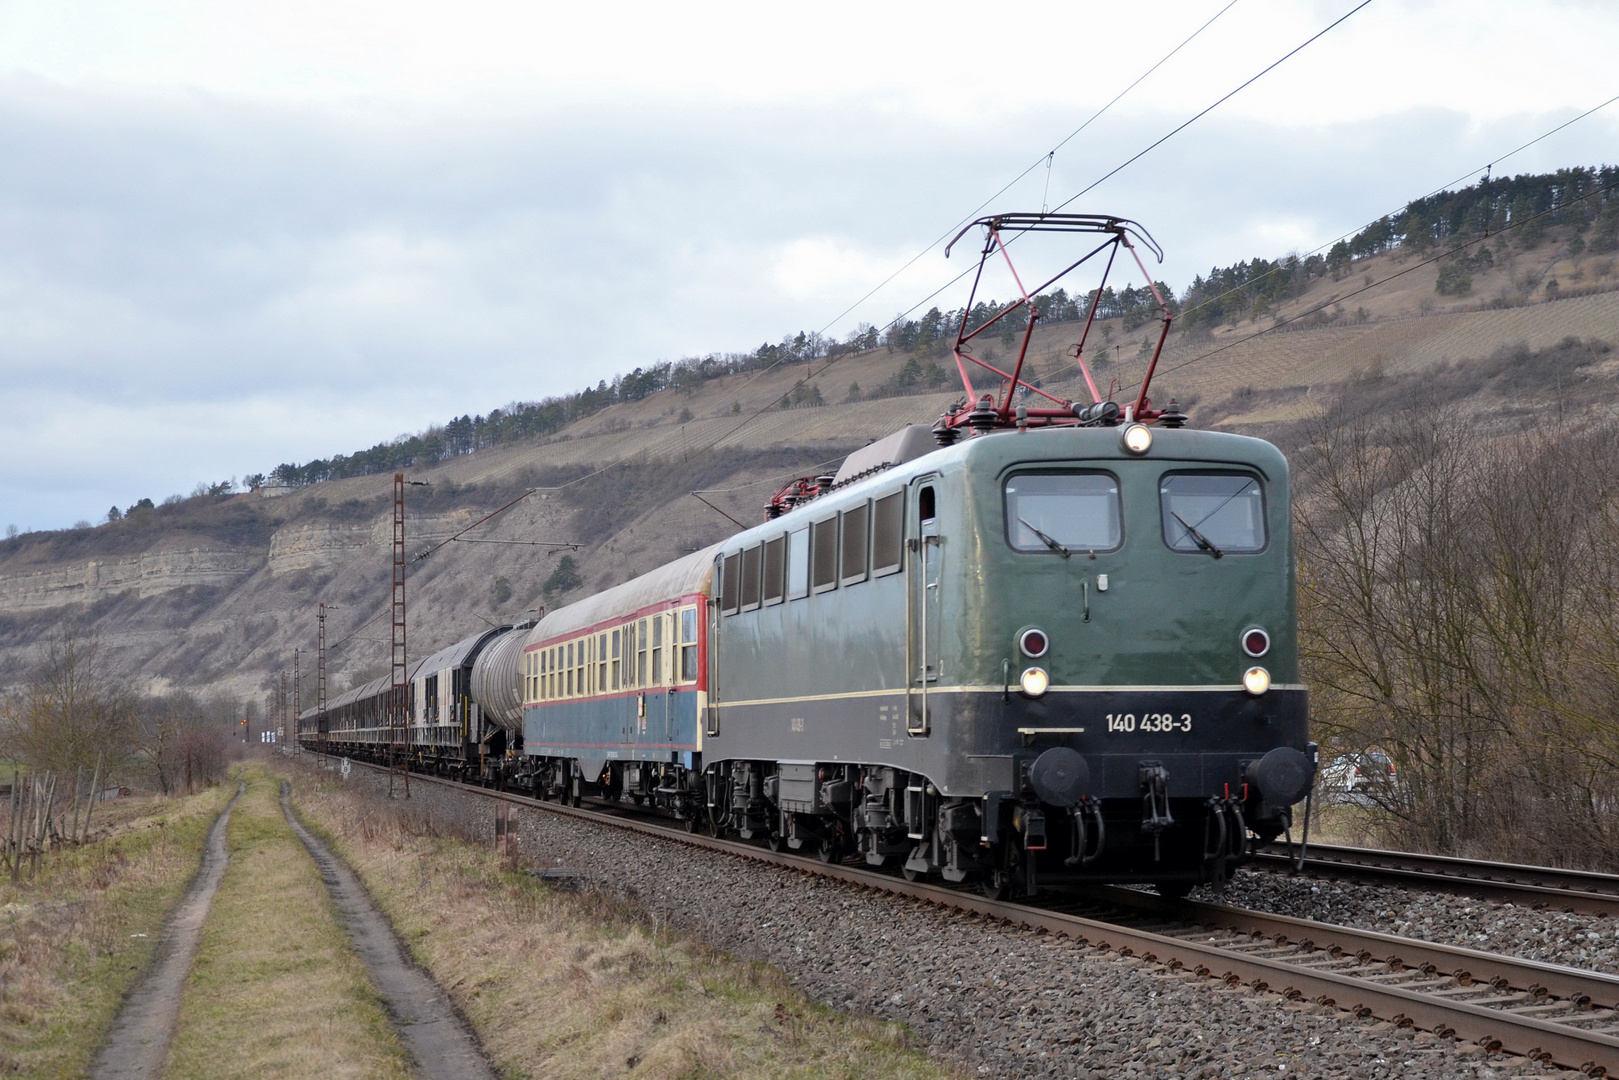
[[1050, 543], [1197, 537]]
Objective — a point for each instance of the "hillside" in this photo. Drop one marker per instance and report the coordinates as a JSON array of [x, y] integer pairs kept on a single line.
[[215, 592]]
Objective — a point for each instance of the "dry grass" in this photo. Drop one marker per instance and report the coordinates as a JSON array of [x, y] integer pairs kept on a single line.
[[276, 989], [74, 939], [567, 986]]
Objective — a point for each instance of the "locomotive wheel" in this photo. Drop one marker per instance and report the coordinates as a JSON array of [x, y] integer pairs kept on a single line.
[[997, 885], [776, 842], [913, 875], [829, 850]]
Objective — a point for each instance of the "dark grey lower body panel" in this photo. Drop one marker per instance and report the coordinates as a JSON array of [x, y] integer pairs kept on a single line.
[[1203, 738]]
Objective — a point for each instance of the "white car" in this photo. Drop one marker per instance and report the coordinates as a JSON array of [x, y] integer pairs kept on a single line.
[[1357, 774]]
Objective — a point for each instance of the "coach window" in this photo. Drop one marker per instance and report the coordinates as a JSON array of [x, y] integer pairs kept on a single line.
[[824, 555], [601, 664], [1058, 513], [579, 668], [731, 584], [887, 533], [616, 661], [688, 644], [556, 671], [640, 654], [567, 690], [1213, 513], [657, 649], [798, 552], [855, 541], [775, 567], [750, 578]]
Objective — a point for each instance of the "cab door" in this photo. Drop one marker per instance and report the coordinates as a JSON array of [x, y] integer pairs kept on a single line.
[[923, 564]]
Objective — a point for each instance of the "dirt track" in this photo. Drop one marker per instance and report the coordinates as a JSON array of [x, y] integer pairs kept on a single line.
[[442, 1045], [139, 1040]]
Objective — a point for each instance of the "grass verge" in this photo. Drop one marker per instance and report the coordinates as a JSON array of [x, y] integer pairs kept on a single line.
[[78, 935], [568, 986], [276, 989]]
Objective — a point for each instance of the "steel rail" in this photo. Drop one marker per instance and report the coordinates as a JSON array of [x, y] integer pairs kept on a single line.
[[1581, 891], [1578, 986], [1593, 1052]]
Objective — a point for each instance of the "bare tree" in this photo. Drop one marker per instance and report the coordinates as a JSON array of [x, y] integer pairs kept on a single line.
[[69, 714]]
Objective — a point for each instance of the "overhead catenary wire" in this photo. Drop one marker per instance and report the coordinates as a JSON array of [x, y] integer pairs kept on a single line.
[[1273, 65], [1043, 159], [1442, 187], [1444, 254]]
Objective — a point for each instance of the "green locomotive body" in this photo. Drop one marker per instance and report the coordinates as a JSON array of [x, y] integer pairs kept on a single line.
[[1021, 657]]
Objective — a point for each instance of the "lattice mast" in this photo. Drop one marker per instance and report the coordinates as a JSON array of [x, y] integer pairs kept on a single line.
[[320, 679], [297, 706], [399, 698]]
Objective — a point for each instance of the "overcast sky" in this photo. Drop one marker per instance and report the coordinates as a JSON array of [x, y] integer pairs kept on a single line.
[[237, 234]]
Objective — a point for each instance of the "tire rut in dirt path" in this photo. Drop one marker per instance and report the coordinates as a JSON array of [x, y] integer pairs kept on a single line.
[[139, 1040], [443, 1046]]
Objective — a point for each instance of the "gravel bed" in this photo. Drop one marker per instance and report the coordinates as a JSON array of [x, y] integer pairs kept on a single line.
[[996, 1001], [1583, 941]]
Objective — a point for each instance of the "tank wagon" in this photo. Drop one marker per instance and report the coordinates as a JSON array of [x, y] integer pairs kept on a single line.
[[1028, 646]]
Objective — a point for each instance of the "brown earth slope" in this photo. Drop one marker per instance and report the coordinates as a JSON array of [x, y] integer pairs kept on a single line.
[[216, 594]]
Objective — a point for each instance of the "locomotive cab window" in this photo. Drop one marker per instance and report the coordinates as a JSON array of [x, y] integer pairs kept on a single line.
[[1213, 513], [1063, 512]]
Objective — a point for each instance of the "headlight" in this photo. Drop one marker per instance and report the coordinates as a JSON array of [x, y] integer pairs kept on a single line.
[[1256, 680], [1034, 681], [1137, 439]]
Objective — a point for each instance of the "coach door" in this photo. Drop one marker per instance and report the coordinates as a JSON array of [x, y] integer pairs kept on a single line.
[[922, 603]]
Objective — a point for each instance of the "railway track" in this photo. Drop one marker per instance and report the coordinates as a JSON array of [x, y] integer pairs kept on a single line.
[[1531, 886], [1553, 1014]]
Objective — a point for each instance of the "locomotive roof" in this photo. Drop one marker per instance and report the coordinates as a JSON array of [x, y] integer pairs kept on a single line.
[[683, 577], [1001, 449]]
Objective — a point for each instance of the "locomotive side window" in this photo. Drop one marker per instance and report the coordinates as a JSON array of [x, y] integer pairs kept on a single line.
[[824, 555], [798, 562], [925, 504], [855, 543], [887, 533], [688, 643], [750, 578], [1213, 513], [1062, 512], [775, 566], [731, 584]]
